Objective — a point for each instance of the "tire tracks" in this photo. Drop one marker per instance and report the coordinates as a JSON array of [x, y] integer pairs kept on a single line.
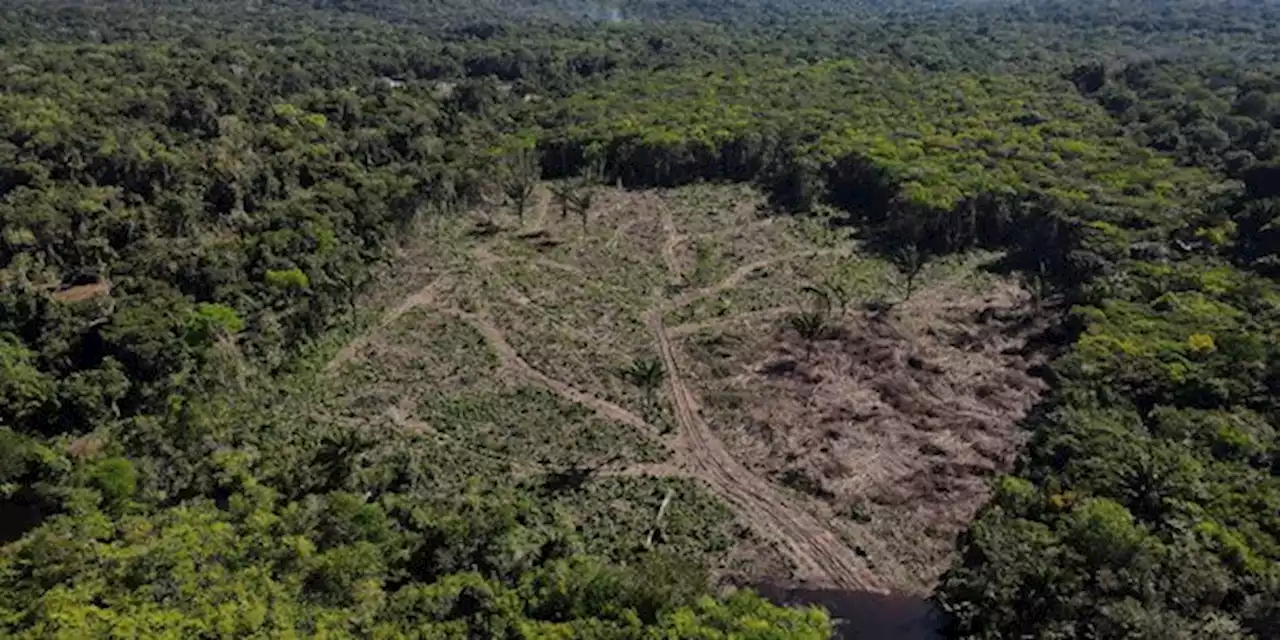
[[818, 554], [821, 557], [673, 240], [691, 328], [487, 258]]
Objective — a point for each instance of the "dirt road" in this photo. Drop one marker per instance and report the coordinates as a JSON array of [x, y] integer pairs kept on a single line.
[[820, 556]]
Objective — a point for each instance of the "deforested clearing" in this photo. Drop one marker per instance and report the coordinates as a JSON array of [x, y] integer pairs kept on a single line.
[[850, 461]]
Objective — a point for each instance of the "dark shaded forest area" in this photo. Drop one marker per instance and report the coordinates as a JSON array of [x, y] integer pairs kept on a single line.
[[194, 193]]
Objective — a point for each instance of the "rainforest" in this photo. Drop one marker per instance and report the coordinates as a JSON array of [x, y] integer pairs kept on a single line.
[[640, 319]]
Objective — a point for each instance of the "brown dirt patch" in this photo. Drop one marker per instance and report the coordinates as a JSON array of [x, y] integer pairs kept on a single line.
[[86, 446], [82, 292], [892, 427]]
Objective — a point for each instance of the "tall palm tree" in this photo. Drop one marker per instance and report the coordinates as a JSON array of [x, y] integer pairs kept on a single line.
[[580, 192]]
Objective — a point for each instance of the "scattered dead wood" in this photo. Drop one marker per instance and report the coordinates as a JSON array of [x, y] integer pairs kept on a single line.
[[893, 426]]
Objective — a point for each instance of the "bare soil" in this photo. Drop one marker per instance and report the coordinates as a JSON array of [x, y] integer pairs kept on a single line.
[[890, 428], [82, 292]]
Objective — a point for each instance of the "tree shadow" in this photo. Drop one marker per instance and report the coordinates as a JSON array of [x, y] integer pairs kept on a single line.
[[564, 481], [864, 615], [17, 517], [570, 478]]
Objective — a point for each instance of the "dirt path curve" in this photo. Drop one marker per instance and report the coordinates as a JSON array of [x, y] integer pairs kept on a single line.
[[511, 359], [487, 258], [691, 328], [742, 273], [421, 298], [820, 556]]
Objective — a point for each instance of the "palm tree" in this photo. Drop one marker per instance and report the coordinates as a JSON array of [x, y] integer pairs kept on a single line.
[[580, 201], [830, 294], [578, 193], [648, 374], [811, 326]]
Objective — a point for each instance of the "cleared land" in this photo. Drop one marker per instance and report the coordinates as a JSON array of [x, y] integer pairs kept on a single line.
[[848, 461]]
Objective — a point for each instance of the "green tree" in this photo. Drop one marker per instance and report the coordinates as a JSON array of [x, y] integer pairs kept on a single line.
[[648, 374], [519, 178], [24, 389], [578, 194], [811, 326], [116, 479]]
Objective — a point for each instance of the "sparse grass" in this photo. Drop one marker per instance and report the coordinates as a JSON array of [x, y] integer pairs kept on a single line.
[[421, 352], [569, 305], [782, 286], [712, 209], [573, 310], [433, 394]]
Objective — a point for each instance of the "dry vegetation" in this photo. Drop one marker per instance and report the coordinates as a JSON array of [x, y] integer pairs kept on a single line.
[[850, 463], [892, 424]]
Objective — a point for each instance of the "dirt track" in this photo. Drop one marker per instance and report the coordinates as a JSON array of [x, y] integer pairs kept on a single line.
[[819, 555], [742, 273], [512, 360], [692, 328], [669, 245]]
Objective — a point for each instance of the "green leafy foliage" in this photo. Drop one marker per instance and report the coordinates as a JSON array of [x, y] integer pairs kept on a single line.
[[115, 478], [336, 565], [938, 138], [24, 389]]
